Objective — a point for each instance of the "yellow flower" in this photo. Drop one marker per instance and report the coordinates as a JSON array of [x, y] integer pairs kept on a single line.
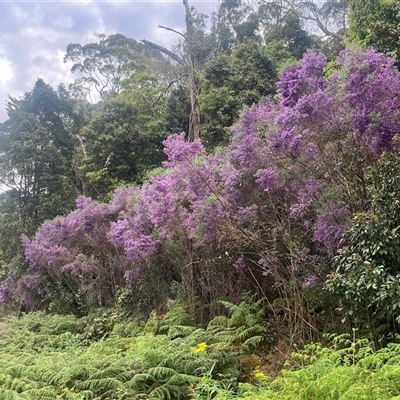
[[200, 347], [258, 373]]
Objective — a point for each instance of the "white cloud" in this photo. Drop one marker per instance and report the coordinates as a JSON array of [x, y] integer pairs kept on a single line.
[[19, 13], [64, 22], [41, 33], [6, 73]]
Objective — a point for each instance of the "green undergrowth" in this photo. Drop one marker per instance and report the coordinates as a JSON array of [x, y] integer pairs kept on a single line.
[[344, 369], [104, 357]]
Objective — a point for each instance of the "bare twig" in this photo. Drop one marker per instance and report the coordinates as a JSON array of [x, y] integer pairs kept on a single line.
[[172, 30], [166, 89], [164, 50]]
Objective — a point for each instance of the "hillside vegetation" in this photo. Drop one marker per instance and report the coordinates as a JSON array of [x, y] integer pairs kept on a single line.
[[223, 223], [62, 357]]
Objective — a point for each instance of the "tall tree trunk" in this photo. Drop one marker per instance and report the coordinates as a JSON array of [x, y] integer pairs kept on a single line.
[[194, 126], [190, 69]]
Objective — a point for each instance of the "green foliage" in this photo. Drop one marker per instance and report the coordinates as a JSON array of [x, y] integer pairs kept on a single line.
[[36, 163], [177, 110], [37, 167], [209, 388], [96, 326], [41, 357], [231, 83], [237, 22], [367, 274], [102, 67], [121, 145], [291, 37], [245, 327], [52, 356], [346, 368], [375, 23]]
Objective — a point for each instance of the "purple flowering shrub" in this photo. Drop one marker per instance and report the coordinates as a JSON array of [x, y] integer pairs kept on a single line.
[[72, 254], [265, 213], [333, 130], [302, 79]]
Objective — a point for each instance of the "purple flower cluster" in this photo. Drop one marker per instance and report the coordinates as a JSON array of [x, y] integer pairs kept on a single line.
[[360, 99], [302, 79], [266, 178], [178, 150], [330, 226], [74, 250]]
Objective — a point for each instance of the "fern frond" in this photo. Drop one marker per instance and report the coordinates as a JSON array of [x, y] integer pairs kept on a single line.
[[250, 320], [215, 329], [99, 386], [201, 369], [189, 365], [227, 304], [141, 381], [109, 394], [161, 373], [78, 372], [5, 381], [168, 392], [183, 380], [16, 371], [178, 315], [46, 393], [161, 393], [84, 394], [58, 379], [254, 341], [7, 394], [180, 331], [118, 373], [246, 333], [21, 385], [41, 374], [227, 336], [219, 321]]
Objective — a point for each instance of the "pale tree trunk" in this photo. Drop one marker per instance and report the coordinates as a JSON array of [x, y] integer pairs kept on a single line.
[[194, 126], [190, 68]]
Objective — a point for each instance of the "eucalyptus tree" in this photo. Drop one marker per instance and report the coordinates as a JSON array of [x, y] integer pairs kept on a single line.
[[236, 22], [327, 19], [102, 67], [288, 41]]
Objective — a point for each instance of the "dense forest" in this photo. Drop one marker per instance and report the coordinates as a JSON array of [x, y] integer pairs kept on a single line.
[[222, 201]]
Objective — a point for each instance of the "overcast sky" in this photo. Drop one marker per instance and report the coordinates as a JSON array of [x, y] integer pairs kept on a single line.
[[34, 35]]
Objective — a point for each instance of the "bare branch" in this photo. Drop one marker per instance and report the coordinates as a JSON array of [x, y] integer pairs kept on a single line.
[[315, 18], [164, 50], [172, 30], [166, 89]]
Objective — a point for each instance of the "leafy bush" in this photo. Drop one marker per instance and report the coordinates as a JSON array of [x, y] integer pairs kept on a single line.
[[367, 274]]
